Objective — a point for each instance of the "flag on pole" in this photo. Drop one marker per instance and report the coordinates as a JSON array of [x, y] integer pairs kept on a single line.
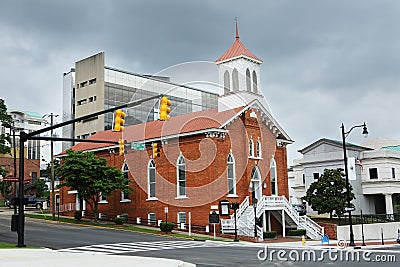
[[351, 168], [358, 163]]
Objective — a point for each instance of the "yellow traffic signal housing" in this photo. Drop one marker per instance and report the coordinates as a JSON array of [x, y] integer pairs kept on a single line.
[[164, 108], [121, 147], [156, 150], [119, 121]]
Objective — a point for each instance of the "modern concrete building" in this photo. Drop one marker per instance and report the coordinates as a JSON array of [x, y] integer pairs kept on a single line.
[[91, 86], [374, 172]]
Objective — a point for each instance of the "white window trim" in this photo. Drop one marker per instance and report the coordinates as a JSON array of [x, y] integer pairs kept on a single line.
[[232, 195], [233, 163], [251, 148], [258, 151], [273, 164], [177, 215], [151, 199], [123, 197], [178, 196], [148, 180], [102, 201]]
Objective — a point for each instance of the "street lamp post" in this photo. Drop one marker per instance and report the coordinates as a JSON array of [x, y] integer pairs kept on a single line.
[[53, 211], [344, 135], [235, 207], [255, 216]]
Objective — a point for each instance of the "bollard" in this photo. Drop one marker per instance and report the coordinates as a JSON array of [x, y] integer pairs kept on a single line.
[[303, 240]]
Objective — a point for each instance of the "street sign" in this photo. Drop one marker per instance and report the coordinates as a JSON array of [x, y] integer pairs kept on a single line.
[[137, 146], [166, 209], [10, 179], [349, 209]]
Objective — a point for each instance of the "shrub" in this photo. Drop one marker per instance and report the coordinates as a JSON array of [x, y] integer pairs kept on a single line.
[[166, 227], [119, 220], [78, 215], [298, 232], [269, 234]]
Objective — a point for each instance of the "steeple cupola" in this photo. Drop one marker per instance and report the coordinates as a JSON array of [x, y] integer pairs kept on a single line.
[[238, 68]]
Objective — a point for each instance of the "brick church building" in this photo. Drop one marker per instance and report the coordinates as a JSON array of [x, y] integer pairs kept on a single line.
[[235, 152]]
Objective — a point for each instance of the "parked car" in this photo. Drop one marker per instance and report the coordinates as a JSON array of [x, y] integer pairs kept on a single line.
[[300, 209], [28, 200]]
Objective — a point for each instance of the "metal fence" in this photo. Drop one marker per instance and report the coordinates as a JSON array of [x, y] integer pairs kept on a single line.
[[145, 221], [369, 218]]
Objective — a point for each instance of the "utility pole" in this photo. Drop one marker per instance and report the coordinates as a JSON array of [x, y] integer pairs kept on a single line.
[[53, 211], [15, 165]]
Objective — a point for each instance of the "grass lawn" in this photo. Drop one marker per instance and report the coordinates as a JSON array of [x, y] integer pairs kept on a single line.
[[7, 245]]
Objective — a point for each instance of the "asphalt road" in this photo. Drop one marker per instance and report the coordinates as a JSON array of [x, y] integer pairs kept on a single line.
[[106, 241]]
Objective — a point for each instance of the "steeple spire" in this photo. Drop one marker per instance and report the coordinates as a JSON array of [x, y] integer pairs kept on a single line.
[[237, 28]]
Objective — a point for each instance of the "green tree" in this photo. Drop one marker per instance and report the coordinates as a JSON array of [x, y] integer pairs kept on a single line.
[[91, 177], [5, 120], [39, 185], [5, 187], [329, 193]]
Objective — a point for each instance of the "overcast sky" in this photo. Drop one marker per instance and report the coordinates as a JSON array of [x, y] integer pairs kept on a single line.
[[325, 62]]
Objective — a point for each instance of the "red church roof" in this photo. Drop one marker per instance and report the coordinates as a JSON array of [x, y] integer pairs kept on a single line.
[[191, 122], [236, 50]]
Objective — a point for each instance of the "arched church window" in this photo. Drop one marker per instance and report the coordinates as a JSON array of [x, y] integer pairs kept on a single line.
[[231, 175], [235, 80], [248, 80], [151, 179], [272, 171], [255, 88], [181, 176], [227, 82]]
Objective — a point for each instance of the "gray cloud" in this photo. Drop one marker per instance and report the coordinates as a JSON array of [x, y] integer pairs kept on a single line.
[[325, 62]]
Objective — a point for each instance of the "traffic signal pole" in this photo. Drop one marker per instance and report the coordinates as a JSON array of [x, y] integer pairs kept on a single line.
[[33, 135]]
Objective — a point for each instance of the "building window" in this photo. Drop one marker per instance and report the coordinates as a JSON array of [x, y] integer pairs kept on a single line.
[[255, 89], [103, 198], [151, 179], [82, 102], [304, 178], [151, 218], [92, 81], [258, 148], [272, 171], [316, 175], [227, 82], [181, 179], [84, 84], [181, 217], [231, 175], [235, 80], [373, 173], [251, 148], [393, 173], [248, 80], [125, 171]]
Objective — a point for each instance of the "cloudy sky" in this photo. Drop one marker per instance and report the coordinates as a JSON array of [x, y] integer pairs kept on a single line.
[[325, 62]]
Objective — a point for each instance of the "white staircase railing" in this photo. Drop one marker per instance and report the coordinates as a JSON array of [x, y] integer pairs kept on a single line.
[[313, 230], [245, 219]]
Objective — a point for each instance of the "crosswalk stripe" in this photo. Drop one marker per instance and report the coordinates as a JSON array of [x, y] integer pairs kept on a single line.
[[120, 248]]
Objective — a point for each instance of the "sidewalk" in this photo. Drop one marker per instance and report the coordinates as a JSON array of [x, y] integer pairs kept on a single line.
[[51, 258]]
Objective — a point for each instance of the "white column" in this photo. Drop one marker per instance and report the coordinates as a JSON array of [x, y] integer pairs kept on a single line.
[[283, 224], [265, 221], [389, 203], [269, 220]]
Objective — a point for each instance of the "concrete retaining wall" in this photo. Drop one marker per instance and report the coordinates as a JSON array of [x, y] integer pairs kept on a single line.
[[371, 231]]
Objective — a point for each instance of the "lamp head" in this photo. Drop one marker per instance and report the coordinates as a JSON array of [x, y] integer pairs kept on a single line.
[[365, 130]]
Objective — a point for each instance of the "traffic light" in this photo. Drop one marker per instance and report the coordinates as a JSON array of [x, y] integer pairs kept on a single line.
[[164, 108], [156, 150], [121, 147], [119, 121]]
